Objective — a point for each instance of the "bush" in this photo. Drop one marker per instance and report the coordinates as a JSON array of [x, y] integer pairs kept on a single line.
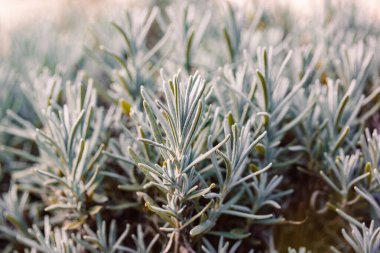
[[200, 127]]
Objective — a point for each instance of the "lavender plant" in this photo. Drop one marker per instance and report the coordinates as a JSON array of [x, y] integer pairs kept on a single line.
[[266, 126]]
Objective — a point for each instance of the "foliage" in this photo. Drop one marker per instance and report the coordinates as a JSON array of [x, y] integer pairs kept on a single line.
[[271, 125]]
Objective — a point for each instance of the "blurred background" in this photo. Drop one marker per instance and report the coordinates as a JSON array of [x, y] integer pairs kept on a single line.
[[36, 26], [18, 13]]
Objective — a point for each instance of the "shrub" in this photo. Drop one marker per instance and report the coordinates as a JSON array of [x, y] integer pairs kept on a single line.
[[207, 127]]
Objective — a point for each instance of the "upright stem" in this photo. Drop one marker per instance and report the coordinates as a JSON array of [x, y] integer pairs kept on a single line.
[[176, 242]]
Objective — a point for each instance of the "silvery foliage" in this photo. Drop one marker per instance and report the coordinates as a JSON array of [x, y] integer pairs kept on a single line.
[[222, 247], [103, 241], [360, 236], [363, 238], [300, 250], [139, 62], [6, 82], [13, 207], [214, 144], [65, 172], [186, 131]]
